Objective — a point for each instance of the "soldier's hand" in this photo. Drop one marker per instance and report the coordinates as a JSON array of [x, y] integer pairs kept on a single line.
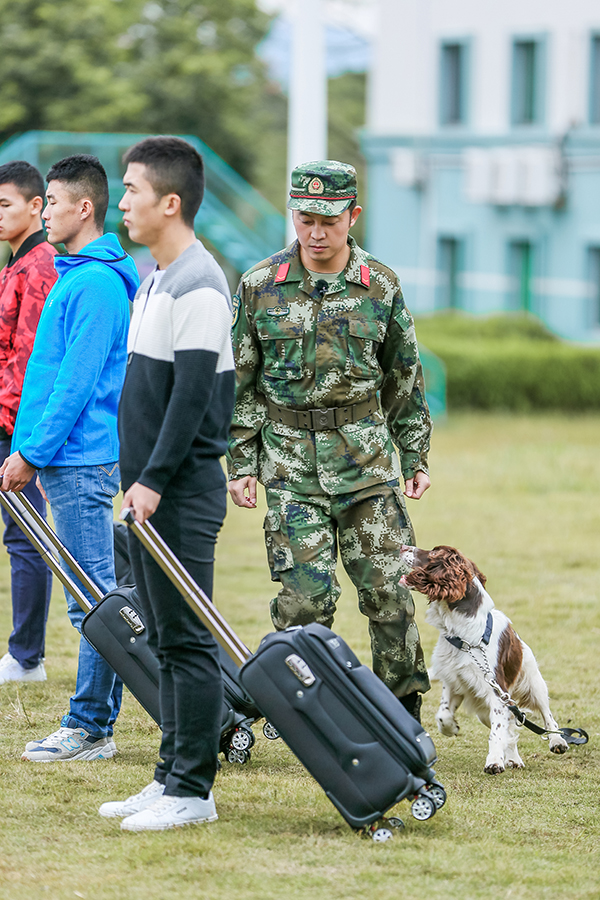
[[415, 487], [238, 488]]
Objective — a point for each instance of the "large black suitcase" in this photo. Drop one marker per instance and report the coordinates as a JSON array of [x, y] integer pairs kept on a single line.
[[114, 626], [352, 734]]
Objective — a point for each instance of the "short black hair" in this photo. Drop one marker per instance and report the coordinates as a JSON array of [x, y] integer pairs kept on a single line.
[[86, 178], [25, 178], [174, 167]]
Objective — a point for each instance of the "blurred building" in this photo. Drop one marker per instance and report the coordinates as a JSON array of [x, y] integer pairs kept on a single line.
[[483, 144]]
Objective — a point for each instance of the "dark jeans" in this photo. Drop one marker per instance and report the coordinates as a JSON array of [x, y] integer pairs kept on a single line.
[[31, 583], [190, 683]]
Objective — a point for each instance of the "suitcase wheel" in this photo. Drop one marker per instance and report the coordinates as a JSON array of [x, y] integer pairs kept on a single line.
[[382, 830], [437, 794], [270, 732], [382, 834], [423, 807], [238, 756], [242, 739]]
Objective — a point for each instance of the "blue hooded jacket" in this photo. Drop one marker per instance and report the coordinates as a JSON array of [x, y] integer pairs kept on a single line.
[[68, 410]]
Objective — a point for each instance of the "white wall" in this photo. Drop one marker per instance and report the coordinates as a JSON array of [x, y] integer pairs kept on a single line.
[[403, 91]]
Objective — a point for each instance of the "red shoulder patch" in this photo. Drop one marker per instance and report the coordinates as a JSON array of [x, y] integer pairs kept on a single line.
[[365, 276], [282, 271]]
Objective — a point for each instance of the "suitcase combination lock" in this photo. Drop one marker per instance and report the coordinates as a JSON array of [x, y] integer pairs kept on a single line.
[[132, 619], [300, 669]]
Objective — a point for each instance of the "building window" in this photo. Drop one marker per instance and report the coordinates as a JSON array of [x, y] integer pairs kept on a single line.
[[453, 84], [595, 81], [520, 267], [526, 87], [449, 265], [594, 279]]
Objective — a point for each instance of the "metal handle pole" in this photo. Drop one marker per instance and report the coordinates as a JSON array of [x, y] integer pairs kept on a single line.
[[188, 588], [42, 528], [46, 554]]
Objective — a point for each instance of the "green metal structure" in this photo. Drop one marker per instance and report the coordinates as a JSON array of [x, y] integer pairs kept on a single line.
[[434, 372], [239, 223], [234, 217]]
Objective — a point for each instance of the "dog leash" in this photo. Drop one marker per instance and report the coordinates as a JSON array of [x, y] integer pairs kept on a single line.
[[571, 735]]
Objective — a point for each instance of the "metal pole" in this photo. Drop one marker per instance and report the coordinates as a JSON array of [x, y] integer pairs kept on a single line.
[[307, 96]]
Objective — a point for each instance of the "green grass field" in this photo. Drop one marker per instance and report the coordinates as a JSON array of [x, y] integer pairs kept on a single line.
[[521, 496]]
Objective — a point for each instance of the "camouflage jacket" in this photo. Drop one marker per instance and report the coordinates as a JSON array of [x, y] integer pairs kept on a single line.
[[305, 350]]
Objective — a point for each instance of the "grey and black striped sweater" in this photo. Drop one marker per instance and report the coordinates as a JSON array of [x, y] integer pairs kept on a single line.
[[178, 395]]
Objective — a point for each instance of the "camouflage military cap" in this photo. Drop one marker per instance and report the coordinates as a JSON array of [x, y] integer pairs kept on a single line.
[[326, 187]]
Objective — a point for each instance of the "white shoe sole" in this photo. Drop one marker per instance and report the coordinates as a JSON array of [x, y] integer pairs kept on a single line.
[[166, 825], [22, 679]]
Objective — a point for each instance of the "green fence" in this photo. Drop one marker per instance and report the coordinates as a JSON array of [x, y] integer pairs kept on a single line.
[[434, 371]]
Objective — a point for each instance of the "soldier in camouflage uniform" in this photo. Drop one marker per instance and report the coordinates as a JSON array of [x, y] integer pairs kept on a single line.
[[328, 374]]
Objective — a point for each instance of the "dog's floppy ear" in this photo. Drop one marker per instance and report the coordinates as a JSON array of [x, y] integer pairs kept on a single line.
[[478, 573], [444, 577]]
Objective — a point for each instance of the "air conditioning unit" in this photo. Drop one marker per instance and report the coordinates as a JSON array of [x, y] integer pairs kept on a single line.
[[513, 176], [408, 167]]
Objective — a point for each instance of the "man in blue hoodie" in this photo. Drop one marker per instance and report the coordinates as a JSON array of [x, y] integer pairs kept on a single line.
[[66, 427]]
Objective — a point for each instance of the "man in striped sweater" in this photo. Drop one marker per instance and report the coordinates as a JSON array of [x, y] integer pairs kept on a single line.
[[174, 418]]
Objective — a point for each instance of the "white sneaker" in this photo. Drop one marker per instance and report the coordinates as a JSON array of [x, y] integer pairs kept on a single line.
[[133, 804], [172, 812], [67, 744], [12, 670]]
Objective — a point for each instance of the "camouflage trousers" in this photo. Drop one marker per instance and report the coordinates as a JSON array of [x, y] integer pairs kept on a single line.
[[302, 533]]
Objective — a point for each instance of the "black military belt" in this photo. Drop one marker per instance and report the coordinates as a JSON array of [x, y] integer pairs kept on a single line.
[[322, 419]]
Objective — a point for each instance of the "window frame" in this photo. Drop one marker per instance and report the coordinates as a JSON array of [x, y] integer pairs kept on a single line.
[[449, 288], [463, 46], [594, 80], [518, 114]]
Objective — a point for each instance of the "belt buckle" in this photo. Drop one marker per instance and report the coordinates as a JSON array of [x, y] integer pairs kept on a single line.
[[323, 419]]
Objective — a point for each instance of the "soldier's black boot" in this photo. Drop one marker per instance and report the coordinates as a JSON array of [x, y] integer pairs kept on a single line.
[[412, 703]]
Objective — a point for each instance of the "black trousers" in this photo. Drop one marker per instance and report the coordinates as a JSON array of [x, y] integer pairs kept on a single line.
[[190, 686]]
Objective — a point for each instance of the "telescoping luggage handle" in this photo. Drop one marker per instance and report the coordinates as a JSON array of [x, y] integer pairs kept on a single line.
[[47, 544], [187, 587]]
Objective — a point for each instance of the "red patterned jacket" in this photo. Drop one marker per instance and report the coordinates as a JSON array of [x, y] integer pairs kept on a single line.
[[24, 285]]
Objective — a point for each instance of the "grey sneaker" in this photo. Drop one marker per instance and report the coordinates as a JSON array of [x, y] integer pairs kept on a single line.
[[134, 804], [67, 744], [172, 812], [33, 745], [12, 670]]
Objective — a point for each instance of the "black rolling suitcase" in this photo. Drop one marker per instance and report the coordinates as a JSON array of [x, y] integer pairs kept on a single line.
[[239, 712], [114, 626], [351, 733]]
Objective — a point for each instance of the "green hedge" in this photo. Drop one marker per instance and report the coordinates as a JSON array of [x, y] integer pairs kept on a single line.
[[512, 363]]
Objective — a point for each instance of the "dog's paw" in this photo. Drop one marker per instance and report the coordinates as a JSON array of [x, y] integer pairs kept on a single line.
[[515, 763], [494, 768], [447, 725], [557, 744]]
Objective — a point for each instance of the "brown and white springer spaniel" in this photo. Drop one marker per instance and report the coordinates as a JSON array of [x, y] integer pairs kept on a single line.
[[460, 607]]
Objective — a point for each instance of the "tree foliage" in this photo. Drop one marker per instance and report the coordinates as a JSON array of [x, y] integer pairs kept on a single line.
[[164, 66]]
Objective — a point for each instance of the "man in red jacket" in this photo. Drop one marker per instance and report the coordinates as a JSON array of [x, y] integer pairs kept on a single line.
[[24, 285]]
